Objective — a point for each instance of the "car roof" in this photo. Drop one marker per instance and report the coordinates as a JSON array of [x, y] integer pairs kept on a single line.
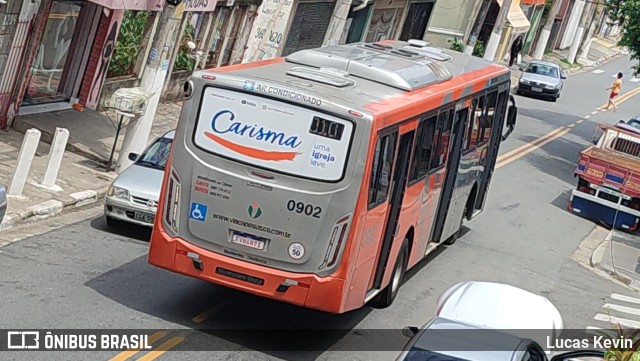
[[469, 342], [542, 62]]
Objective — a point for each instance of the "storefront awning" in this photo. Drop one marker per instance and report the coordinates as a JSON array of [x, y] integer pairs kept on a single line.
[[517, 18]]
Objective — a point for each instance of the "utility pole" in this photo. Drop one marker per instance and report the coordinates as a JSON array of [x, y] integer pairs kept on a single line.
[[153, 78], [475, 32], [577, 39], [496, 33], [541, 45]]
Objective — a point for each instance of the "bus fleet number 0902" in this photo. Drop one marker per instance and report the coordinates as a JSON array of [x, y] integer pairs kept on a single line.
[[302, 208]]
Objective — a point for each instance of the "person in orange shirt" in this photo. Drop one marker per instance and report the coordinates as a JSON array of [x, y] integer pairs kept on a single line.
[[615, 90]]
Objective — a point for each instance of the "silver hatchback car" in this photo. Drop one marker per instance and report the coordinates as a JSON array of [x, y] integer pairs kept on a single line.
[[541, 79], [133, 195]]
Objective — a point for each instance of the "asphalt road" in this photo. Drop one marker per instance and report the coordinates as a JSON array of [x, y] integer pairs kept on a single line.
[[84, 275]]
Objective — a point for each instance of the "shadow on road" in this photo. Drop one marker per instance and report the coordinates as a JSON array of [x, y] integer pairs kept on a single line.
[[548, 116], [122, 229], [240, 317], [557, 158]]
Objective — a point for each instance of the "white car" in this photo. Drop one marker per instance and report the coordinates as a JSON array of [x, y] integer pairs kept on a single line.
[[486, 321], [133, 195]]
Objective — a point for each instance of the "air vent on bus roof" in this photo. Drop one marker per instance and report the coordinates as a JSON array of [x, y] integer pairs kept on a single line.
[[407, 68], [329, 76]]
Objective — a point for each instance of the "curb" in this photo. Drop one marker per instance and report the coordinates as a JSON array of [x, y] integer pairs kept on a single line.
[[51, 208]]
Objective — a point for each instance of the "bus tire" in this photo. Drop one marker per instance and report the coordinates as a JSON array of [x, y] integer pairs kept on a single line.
[[388, 295]]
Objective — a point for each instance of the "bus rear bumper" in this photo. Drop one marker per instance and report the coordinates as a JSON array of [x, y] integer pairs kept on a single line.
[[177, 255], [599, 209]]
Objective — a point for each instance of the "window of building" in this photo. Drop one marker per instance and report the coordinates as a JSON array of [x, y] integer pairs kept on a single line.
[[381, 170]]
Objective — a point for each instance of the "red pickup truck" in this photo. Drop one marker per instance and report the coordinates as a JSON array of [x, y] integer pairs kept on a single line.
[[608, 174]]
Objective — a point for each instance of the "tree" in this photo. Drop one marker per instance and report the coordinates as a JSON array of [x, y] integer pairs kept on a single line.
[[625, 13]]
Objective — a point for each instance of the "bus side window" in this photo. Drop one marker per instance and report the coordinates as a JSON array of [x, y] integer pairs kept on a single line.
[[381, 170], [473, 125], [441, 138], [424, 147], [488, 115]]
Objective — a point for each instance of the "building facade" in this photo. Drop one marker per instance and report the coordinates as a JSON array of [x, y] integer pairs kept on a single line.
[[58, 53]]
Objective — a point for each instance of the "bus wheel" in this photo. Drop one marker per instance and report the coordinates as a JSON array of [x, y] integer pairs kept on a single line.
[[386, 297]]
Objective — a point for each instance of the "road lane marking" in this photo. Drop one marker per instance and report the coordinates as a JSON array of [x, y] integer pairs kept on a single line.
[[571, 125], [580, 121], [533, 146], [208, 313], [598, 71], [634, 80], [127, 354], [527, 145], [623, 309], [587, 116], [594, 112], [171, 343], [624, 298], [614, 320]]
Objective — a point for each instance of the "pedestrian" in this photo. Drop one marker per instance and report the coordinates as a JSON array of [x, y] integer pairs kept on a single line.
[[515, 50], [615, 90]]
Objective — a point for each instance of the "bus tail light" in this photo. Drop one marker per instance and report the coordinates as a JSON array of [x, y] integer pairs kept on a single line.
[[172, 210], [338, 236]]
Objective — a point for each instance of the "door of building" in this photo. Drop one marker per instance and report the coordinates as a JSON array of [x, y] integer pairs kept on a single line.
[[309, 26], [48, 74], [417, 19]]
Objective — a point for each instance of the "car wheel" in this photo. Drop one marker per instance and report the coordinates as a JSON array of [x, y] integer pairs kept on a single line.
[[388, 295]]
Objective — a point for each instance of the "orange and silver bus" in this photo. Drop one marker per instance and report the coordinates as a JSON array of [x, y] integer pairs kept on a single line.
[[319, 179]]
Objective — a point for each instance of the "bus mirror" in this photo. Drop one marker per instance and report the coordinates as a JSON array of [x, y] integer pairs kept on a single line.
[[512, 115]]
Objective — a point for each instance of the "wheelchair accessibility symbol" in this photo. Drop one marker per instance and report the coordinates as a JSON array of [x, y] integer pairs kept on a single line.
[[198, 212]]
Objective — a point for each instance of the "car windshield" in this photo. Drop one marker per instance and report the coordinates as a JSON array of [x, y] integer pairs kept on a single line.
[[542, 69], [157, 154], [634, 123]]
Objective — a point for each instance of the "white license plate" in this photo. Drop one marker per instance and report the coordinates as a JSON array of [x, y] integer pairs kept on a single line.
[[247, 242], [143, 217], [539, 90]]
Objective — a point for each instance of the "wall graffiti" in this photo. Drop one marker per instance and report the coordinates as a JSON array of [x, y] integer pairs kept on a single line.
[[103, 63], [268, 33]]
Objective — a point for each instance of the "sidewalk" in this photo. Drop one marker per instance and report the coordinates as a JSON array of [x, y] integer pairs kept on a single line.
[[81, 182], [600, 52], [619, 256]]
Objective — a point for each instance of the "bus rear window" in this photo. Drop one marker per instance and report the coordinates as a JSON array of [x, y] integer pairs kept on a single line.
[[273, 135]]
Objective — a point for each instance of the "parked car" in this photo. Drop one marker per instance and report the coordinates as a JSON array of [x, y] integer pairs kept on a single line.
[[485, 321], [541, 79], [634, 122], [3, 202], [133, 195]]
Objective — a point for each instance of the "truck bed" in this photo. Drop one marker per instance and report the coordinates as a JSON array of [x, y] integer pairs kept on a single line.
[[613, 157]]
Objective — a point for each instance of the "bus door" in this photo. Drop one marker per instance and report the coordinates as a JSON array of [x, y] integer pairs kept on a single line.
[[442, 222], [495, 135], [399, 175]]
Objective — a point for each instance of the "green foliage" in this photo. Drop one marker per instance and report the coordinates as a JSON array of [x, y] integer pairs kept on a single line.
[[621, 353], [129, 43], [184, 61], [456, 45], [478, 48], [625, 13]]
